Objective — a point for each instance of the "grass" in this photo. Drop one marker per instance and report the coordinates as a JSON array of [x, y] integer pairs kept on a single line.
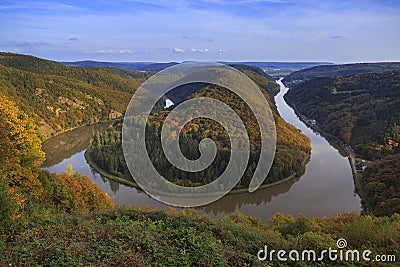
[[147, 237]]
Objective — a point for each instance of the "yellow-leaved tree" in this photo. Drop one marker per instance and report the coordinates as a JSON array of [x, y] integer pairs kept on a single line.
[[20, 150], [22, 180]]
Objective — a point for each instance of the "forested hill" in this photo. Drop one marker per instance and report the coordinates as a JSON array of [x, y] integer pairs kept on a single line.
[[136, 66], [382, 185], [364, 111], [260, 77], [58, 97], [337, 70], [292, 153], [263, 80]]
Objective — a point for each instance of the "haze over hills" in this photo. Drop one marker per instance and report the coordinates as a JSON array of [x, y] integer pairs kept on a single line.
[[273, 68], [337, 70], [137, 66]]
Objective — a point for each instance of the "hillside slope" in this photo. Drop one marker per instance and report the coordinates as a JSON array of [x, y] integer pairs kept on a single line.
[[59, 97], [144, 237], [363, 110], [24, 187], [381, 182]]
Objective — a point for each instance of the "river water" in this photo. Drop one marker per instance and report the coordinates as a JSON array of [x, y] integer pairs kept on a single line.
[[326, 188]]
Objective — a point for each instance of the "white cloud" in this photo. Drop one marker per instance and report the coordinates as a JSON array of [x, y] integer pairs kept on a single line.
[[29, 44], [178, 50], [206, 50], [115, 52], [301, 31]]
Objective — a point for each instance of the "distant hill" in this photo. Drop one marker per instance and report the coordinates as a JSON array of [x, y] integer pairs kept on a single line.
[[274, 68], [281, 69], [262, 79], [337, 70], [58, 97], [282, 65], [136, 66]]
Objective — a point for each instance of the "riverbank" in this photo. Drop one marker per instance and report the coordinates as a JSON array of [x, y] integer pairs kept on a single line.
[[343, 149], [311, 195], [69, 143], [108, 175], [56, 134], [120, 180]]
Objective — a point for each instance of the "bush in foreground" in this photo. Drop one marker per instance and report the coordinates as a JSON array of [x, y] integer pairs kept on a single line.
[[147, 237]]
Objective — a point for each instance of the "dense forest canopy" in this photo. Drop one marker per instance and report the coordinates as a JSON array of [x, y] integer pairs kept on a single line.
[[293, 148], [20, 150], [363, 110], [59, 97], [381, 181]]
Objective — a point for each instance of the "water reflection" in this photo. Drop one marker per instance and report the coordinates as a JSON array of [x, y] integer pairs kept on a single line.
[[122, 194], [325, 189], [69, 143], [246, 201]]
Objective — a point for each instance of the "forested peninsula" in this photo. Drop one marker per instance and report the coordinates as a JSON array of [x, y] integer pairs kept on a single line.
[[292, 153]]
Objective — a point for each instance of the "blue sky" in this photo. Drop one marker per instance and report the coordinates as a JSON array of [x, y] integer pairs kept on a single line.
[[176, 30]]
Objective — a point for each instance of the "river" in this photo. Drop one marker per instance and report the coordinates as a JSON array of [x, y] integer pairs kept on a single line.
[[326, 188]]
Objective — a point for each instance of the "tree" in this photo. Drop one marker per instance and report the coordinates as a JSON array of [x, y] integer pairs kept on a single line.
[[69, 170], [20, 150]]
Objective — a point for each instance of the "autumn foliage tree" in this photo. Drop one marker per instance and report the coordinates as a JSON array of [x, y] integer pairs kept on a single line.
[[20, 150], [71, 192], [22, 182]]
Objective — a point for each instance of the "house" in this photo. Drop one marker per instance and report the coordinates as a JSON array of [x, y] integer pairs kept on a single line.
[[363, 164]]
